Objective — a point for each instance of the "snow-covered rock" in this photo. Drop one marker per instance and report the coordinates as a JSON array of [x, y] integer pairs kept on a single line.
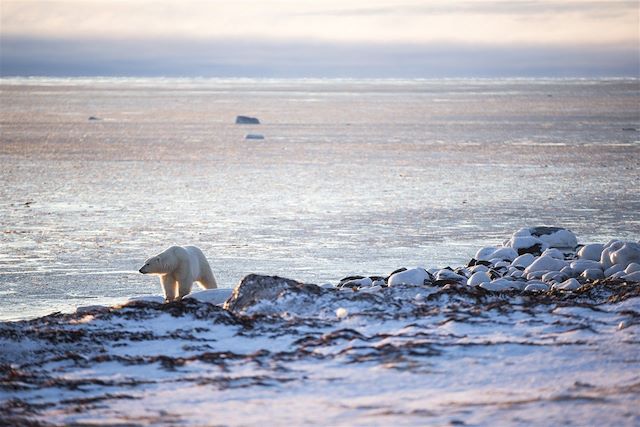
[[477, 278], [446, 274], [568, 285], [414, 276], [632, 277], [499, 285], [584, 264], [592, 251], [523, 260], [556, 276], [629, 252], [632, 268], [553, 253], [592, 274], [479, 267], [613, 270], [538, 239], [545, 263], [498, 254], [536, 287], [358, 283]]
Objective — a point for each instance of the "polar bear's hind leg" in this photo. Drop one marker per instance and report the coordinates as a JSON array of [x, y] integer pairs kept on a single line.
[[184, 286]]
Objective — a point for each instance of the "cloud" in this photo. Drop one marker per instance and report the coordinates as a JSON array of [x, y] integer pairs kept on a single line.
[[264, 58], [482, 21], [490, 7]]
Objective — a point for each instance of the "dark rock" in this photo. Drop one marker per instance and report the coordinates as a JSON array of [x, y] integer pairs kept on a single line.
[[246, 120], [255, 288], [543, 230], [534, 250]]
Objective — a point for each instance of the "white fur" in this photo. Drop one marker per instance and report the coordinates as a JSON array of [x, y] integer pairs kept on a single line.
[[178, 267]]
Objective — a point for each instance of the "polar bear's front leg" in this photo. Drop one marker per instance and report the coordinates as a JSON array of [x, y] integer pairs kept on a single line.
[[169, 287]]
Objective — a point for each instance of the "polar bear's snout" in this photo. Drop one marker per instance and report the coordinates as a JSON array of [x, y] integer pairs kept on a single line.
[[143, 270]]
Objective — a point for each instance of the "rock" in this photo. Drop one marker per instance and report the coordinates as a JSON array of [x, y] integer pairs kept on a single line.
[[584, 264], [618, 275], [553, 253], [414, 276], [632, 268], [609, 248], [554, 276], [536, 287], [94, 118], [254, 136], [357, 283], [477, 278], [537, 239], [527, 245], [568, 285], [501, 264], [255, 288], [479, 267], [499, 285], [445, 274], [592, 274], [517, 274], [613, 270], [545, 263], [523, 260], [592, 252], [629, 252], [493, 254], [246, 120], [632, 277]]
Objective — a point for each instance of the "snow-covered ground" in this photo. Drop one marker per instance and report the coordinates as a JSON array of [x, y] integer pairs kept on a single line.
[[280, 352]]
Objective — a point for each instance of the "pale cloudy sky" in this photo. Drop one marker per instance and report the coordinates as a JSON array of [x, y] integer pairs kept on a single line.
[[358, 38]]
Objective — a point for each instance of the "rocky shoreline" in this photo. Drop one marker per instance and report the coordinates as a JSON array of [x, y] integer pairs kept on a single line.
[[446, 349]]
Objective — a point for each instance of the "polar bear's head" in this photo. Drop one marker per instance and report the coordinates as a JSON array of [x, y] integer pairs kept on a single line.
[[159, 264]]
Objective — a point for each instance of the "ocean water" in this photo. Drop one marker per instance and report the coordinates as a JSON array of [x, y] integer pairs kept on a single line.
[[353, 176]]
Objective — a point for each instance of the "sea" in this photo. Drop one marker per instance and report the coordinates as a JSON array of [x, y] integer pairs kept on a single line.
[[351, 178]]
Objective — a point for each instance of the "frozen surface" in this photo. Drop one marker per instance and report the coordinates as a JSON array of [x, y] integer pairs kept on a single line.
[[353, 176], [287, 353]]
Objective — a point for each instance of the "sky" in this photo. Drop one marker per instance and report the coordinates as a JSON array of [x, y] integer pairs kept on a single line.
[[320, 38]]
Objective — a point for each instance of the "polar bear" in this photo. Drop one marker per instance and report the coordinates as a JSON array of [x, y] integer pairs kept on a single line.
[[178, 267]]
